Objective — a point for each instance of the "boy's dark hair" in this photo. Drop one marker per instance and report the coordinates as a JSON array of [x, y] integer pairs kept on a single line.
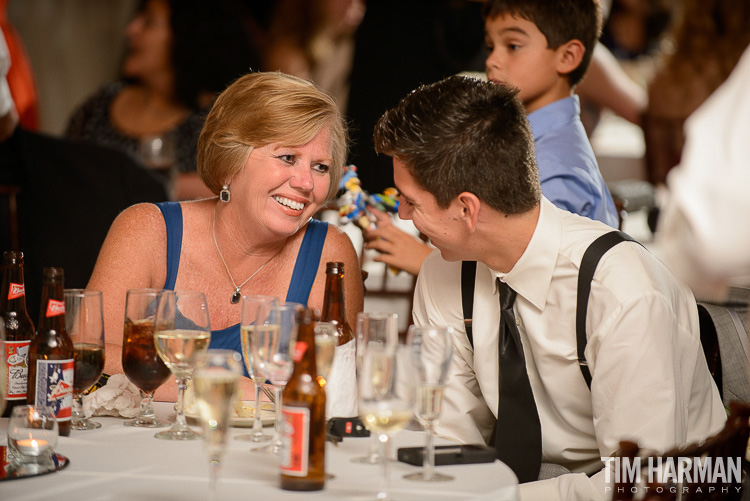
[[464, 135], [560, 21]]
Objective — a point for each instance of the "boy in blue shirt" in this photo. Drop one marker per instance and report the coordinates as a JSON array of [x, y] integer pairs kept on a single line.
[[543, 48]]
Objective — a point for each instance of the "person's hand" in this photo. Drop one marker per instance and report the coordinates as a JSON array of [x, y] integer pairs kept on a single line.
[[397, 248]]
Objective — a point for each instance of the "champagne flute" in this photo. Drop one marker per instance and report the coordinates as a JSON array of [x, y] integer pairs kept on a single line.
[[325, 348], [216, 376], [431, 351], [254, 306], [386, 396], [273, 344], [382, 328], [141, 363], [181, 331], [84, 321]]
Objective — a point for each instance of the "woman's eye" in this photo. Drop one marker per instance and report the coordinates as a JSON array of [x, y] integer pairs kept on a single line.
[[287, 159], [322, 168]]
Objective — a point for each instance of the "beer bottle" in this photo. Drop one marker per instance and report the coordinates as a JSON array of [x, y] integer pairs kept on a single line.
[[334, 309], [341, 384], [18, 330], [303, 431], [51, 362]]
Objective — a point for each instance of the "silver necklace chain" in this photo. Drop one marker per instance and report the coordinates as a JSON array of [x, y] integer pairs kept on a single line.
[[236, 295]]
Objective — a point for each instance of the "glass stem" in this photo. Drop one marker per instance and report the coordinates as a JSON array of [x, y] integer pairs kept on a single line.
[[147, 407], [213, 474], [374, 446], [181, 386], [385, 451], [429, 453], [277, 426], [257, 423], [78, 415]]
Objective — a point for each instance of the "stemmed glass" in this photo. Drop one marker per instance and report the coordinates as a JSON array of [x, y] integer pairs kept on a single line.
[[216, 376], [254, 306], [181, 331], [84, 321], [157, 152], [141, 363], [273, 344], [431, 351], [325, 348], [386, 396], [382, 328]]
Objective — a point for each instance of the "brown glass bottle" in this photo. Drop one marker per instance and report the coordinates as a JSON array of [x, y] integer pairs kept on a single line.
[[18, 329], [334, 309], [303, 431], [51, 362]]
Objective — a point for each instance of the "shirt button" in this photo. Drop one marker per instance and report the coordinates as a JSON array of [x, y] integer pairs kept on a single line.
[[518, 321]]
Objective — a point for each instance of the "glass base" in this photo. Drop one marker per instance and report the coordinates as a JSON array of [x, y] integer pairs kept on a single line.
[[434, 477], [178, 435], [369, 459], [147, 422], [85, 425], [258, 439]]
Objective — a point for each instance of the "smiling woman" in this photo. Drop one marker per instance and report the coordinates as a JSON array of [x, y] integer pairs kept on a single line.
[[273, 149]]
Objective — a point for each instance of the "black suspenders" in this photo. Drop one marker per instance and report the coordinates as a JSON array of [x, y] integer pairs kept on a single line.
[[589, 262]]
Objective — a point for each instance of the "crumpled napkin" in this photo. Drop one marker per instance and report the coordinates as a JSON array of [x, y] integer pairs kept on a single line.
[[341, 386], [119, 397]]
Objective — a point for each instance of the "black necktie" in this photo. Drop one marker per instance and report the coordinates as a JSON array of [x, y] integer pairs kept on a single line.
[[518, 433]]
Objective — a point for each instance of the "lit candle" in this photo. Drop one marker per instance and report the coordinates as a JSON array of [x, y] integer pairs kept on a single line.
[[31, 443]]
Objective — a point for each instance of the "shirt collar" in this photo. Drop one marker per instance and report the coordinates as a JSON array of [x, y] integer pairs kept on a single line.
[[551, 116], [531, 276]]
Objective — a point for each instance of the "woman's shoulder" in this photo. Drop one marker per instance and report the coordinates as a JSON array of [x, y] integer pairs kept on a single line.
[[338, 246], [142, 218], [93, 113]]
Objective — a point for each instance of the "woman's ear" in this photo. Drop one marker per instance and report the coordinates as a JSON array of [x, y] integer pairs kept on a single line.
[[469, 205], [569, 56]]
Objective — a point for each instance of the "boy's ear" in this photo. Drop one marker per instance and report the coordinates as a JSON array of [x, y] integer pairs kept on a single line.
[[569, 56], [469, 205]]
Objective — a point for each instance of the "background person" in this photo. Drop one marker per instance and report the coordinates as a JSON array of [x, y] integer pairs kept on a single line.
[[180, 55], [275, 145], [463, 162]]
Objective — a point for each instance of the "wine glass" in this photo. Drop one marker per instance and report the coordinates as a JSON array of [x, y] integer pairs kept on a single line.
[[254, 306], [84, 321], [386, 396], [141, 363], [431, 351], [181, 331], [157, 152], [216, 376], [273, 344], [380, 327], [325, 348]]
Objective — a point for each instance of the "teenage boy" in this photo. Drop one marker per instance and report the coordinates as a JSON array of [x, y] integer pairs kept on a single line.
[[543, 48], [463, 161]]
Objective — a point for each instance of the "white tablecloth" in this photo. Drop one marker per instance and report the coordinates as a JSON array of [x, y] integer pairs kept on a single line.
[[122, 463]]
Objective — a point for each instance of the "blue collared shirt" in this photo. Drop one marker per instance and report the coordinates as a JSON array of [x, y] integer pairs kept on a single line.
[[568, 169]]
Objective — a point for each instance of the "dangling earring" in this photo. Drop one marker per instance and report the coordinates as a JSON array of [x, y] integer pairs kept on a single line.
[[224, 194]]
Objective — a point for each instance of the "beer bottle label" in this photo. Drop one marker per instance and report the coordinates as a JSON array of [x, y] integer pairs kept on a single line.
[[16, 355], [295, 441], [54, 386], [55, 307], [16, 291]]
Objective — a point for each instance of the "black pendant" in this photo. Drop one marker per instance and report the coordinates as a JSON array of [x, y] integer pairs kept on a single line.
[[236, 296]]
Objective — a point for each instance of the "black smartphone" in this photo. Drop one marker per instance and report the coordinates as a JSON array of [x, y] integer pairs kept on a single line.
[[450, 454]]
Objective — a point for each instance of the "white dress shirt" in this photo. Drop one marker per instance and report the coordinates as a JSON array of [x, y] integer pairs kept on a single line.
[[650, 378]]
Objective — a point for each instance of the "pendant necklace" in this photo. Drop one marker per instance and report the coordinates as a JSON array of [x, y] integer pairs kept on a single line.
[[236, 295]]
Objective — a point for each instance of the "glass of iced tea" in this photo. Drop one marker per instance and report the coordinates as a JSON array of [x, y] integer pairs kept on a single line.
[[140, 361], [84, 321]]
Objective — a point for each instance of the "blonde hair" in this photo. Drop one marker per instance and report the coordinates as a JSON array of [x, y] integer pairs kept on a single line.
[[264, 108]]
